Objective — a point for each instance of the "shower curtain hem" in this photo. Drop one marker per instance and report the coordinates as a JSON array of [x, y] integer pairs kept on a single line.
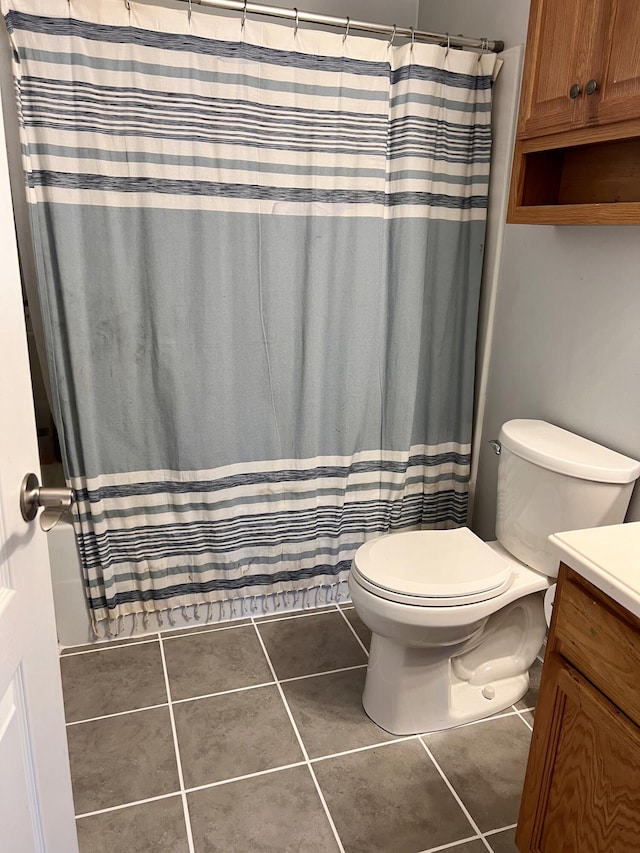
[[225, 610]]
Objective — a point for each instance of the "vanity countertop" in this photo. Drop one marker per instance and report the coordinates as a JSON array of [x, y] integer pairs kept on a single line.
[[608, 557]]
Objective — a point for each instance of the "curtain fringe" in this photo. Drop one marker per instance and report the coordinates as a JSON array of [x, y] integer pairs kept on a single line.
[[229, 609]]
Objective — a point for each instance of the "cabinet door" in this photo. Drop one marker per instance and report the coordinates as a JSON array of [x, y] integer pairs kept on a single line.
[[619, 97], [582, 788], [563, 37]]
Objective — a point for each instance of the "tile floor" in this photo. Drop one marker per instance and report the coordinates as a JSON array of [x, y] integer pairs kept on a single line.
[[250, 738]]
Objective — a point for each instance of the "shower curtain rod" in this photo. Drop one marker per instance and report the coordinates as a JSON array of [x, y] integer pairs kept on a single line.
[[347, 24]]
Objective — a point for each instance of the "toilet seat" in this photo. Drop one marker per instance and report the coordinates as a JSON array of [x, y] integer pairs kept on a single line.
[[432, 568]]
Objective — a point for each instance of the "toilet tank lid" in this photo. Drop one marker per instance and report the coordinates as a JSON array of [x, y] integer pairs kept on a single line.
[[558, 450]]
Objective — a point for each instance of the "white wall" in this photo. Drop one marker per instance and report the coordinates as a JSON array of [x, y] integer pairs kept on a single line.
[[404, 13], [565, 342], [493, 19]]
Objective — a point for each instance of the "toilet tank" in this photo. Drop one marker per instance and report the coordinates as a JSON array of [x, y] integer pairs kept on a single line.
[[550, 480]]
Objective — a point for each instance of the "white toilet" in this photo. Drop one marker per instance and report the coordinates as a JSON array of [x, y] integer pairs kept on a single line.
[[457, 622]]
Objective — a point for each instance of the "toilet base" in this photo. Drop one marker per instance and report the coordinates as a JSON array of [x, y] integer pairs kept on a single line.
[[416, 689], [467, 703]]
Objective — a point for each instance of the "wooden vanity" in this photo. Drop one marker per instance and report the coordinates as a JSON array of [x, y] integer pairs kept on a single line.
[[582, 787]]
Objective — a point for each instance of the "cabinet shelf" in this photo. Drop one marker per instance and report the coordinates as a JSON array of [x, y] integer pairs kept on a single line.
[[596, 183]]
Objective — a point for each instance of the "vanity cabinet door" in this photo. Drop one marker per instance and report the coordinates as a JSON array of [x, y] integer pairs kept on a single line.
[[582, 789]]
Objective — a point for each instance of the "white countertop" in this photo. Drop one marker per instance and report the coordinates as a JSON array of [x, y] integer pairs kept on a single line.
[[608, 557]]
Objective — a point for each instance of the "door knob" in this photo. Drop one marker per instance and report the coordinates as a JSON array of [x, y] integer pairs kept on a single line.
[[574, 91], [54, 501], [591, 87]]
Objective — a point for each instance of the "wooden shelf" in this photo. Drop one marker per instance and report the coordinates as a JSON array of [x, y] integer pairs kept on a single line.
[[587, 184]]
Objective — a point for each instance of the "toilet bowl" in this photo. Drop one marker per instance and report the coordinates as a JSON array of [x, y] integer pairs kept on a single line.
[[457, 622], [437, 662]]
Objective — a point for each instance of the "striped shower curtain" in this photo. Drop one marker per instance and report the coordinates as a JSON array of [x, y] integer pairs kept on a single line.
[[259, 252]]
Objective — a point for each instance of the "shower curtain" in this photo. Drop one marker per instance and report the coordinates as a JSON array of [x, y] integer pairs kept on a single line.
[[259, 251]]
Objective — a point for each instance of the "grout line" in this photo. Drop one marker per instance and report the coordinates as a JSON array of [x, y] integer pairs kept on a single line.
[[319, 674], [220, 782], [474, 825], [526, 722], [295, 614], [490, 832], [127, 805], [363, 748], [451, 844], [107, 647], [179, 634], [222, 693], [185, 805], [498, 716], [117, 714], [353, 631], [301, 743], [484, 837]]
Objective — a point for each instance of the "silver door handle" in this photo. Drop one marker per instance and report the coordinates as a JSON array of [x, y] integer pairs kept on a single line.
[[54, 501]]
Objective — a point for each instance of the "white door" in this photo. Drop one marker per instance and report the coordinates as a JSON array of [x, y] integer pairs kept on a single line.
[[36, 806]]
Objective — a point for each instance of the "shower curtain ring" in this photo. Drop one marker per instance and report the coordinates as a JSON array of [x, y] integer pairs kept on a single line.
[[244, 16], [128, 5], [393, 35], [484, 46], [189, 13], [413, 37], [448, 45], [295, 31], [346, 32]]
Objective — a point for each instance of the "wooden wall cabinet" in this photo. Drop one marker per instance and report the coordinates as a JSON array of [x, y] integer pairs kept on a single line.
[[577, 154], [582, 787]]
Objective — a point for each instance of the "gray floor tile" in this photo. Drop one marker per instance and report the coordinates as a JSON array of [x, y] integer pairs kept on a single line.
[[358, 626], [390, 799], [282, 814], [233, 735], [530, 698], [503, 842], [329, 715], [210, 663], [112, 680], [157, 826], [485, 763], [122, 759], [312, 644]]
